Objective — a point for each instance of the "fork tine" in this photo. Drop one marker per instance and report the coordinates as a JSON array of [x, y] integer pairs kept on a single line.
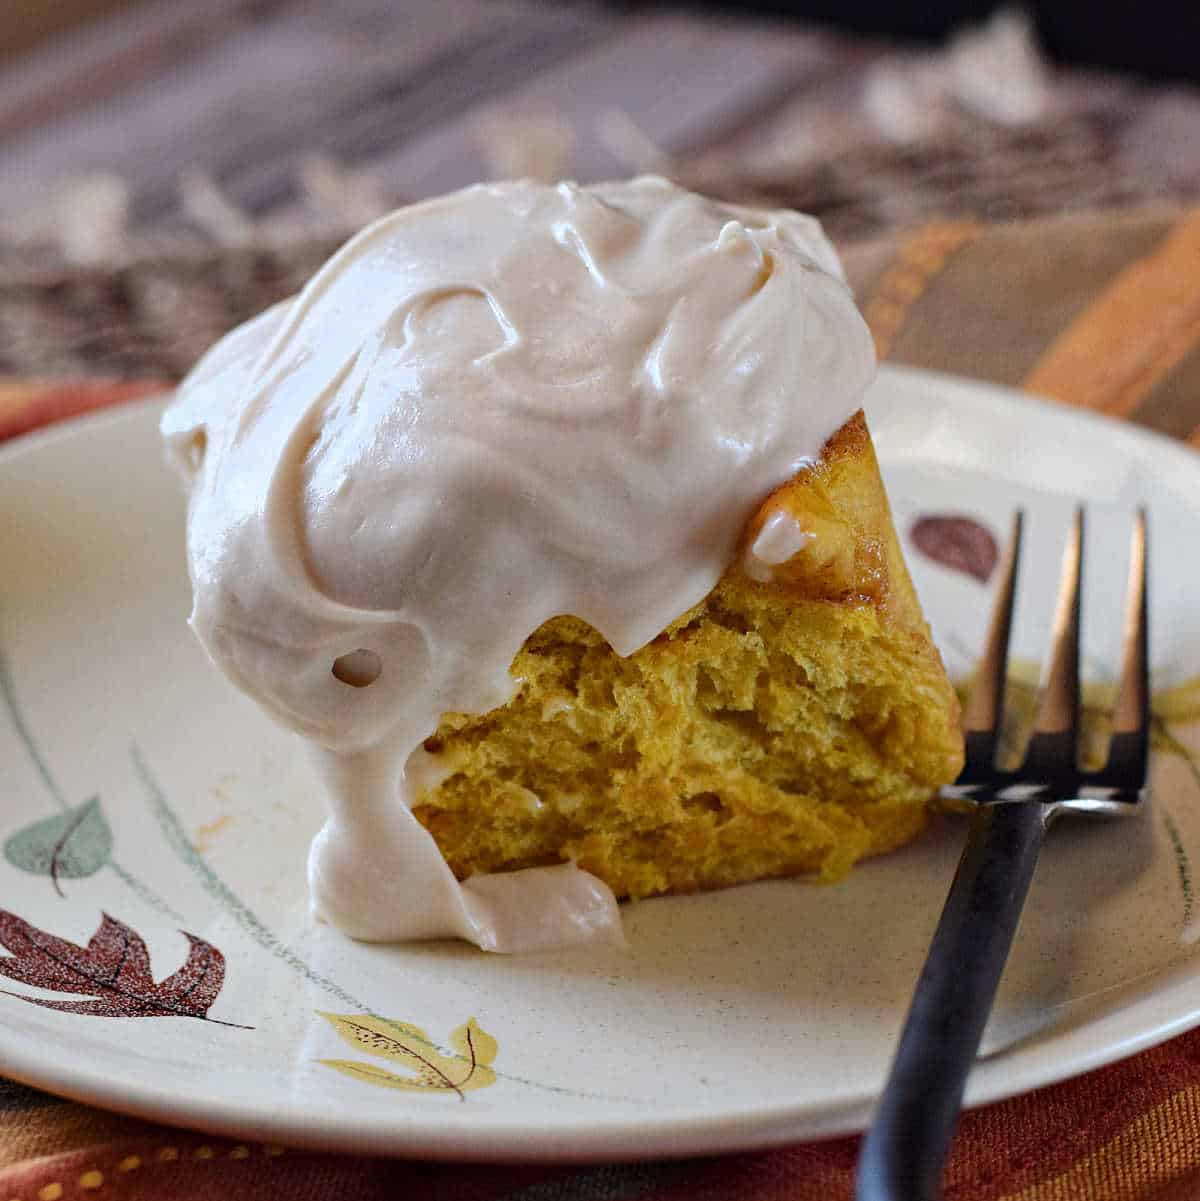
[[1130, 747], [984, 712], [1053, 748], [903, 1152]]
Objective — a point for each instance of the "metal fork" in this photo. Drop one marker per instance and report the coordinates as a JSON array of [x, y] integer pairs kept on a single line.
[[903, 1153]]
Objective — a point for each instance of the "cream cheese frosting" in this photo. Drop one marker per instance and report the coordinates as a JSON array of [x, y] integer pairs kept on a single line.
[[510, 403]]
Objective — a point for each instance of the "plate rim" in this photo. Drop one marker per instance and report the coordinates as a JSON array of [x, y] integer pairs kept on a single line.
[[595, 1139]]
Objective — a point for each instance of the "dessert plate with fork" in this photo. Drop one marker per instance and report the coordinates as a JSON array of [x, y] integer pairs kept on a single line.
[[158, 956]]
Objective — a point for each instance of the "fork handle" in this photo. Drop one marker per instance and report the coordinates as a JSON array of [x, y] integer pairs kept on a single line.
[[902, 1154]]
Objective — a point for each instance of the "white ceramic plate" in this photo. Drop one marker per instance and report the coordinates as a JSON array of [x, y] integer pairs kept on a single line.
[[137, 784]]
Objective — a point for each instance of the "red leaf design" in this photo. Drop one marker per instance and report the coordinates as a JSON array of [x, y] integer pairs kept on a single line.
[[120, 952], [199, 980], [113, 970], [101, 1007], [957, 542]]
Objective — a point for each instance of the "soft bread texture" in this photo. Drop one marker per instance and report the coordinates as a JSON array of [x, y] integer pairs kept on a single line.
[[776, 728]]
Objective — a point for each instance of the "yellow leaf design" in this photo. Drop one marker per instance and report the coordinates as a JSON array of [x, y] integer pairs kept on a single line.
[[1179, 705], [474, 1043], [430, 1067], [381, 1076], [397, 1040]]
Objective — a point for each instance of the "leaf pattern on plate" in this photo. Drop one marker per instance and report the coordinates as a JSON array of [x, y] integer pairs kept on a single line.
[[1179, 704], [68, 846], [429, 1068], [958, 542], [112, 972]]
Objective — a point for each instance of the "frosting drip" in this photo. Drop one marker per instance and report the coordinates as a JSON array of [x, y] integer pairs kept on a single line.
[[510, 403]]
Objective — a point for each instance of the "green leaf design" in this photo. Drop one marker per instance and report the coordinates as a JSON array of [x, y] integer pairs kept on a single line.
[[67, 846]]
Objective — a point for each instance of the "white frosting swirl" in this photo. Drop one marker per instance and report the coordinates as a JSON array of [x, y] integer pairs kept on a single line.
[[513, 402]]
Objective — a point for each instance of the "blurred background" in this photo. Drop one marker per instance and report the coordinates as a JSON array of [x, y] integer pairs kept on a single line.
[[131, 130]]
